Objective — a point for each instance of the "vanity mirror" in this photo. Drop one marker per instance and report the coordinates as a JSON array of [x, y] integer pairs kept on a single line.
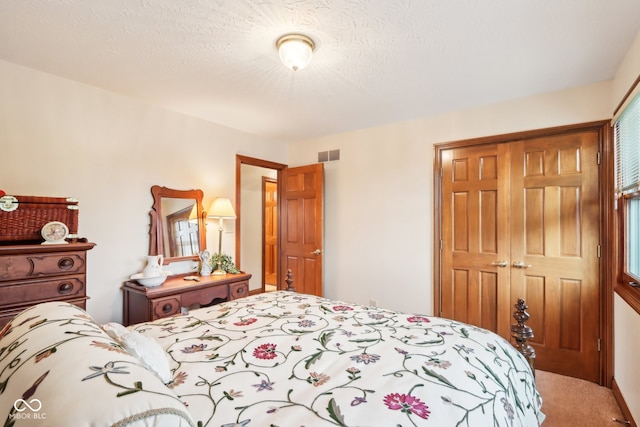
[[177, 224]]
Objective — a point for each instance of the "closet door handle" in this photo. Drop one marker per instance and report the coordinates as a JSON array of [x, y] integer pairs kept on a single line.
[[501, 264], [521, 264], [316, 252]]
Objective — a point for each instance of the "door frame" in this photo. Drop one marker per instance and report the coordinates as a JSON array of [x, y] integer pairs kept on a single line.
[[252, 161], [606, 197]]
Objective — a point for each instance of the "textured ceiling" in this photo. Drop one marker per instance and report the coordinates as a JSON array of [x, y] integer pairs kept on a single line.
[[376, 61]]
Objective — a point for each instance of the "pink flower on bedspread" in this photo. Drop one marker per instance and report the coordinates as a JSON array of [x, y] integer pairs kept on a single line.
[[418, 319], [407, 404], [246, 322], [342, 308], [317, 379], [178, 379], [265, 351], [444, 364]]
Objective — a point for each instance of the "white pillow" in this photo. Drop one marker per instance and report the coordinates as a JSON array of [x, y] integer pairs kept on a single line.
[[146, 349], [115, 330]]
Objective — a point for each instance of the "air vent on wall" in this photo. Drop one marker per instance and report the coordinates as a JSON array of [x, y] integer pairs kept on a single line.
[[328, 156]]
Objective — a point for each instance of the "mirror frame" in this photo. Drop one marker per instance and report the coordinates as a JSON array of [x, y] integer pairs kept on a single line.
[[156, 232]]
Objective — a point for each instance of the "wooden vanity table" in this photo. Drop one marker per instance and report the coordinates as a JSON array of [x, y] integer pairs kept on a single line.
[[142, 304], [178, 230]]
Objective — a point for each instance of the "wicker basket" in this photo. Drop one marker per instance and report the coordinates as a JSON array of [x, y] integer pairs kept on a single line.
[[22, 217]]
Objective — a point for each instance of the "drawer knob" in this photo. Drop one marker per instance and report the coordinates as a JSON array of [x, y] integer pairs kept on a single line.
[[166, 308], [240, 290], [65, 287], [65, 263]]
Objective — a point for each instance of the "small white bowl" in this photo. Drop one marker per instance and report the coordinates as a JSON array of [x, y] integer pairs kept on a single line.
[[151, 281]]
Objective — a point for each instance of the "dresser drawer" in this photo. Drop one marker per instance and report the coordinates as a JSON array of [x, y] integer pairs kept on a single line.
[[239, 290], [34, 291], [205, 296], [165, 307], [30, 266]]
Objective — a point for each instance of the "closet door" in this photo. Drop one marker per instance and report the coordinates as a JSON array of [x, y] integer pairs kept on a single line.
[[475, 256], [520, 219], [554, 248]]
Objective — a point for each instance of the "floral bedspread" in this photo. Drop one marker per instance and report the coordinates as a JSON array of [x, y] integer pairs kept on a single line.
[[287, 359]]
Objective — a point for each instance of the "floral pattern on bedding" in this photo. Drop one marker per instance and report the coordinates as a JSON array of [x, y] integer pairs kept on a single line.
[[56, 363], [288, 359]]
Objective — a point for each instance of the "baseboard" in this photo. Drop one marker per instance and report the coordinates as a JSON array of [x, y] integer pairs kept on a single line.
[[617, 394]]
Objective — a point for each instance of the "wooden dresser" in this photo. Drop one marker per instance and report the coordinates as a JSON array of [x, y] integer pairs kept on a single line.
[[142, 304], [34, 273]]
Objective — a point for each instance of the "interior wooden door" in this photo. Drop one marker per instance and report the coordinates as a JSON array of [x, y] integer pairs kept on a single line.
[[555, 248], [301, 223], [475, 279], [270, 225], [520, 219]]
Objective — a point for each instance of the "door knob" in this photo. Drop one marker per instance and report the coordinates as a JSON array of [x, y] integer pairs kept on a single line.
[[521, 264], [501, 264], [316, 252]]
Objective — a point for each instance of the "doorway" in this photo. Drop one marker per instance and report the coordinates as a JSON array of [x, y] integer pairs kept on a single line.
[[300, 224], [253, 223]]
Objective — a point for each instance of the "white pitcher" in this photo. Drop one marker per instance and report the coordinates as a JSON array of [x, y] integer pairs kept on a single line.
[[154, 266]]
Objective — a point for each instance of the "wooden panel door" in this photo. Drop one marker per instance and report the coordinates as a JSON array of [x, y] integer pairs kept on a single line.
[[520, 219], [554, 248], [270, 205], [475, 282], [301, 221]]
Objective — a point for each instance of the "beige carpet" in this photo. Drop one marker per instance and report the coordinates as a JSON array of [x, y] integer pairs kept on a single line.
[[571, 402]]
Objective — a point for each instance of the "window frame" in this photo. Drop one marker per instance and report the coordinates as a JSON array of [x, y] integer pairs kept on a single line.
[[624, 288], [623, 278]]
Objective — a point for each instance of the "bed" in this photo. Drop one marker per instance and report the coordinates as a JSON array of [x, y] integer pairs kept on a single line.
[[273, 359]]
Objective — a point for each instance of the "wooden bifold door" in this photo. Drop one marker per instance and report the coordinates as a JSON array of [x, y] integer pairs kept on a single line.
[[521, 219]]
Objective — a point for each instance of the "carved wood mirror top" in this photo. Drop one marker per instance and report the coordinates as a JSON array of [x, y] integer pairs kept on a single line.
[[177, 224]]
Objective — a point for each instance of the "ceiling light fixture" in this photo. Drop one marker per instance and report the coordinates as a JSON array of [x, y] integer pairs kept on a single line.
[[295, 50]]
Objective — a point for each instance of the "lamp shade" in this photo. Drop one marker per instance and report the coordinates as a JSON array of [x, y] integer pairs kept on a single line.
[[221, 208], [295, 50]]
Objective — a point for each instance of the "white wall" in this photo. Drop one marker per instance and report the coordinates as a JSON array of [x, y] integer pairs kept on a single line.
[[627, 348], [63, 138], [379, 195], [626, 320]]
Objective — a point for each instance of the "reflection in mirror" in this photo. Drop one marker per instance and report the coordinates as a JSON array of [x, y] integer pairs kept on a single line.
[[177, 224], [180, 219]]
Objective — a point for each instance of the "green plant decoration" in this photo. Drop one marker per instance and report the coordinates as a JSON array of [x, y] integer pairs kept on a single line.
[[226, 263]]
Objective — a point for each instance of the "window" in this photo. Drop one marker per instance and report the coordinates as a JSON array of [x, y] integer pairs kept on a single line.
[[627, 152]]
